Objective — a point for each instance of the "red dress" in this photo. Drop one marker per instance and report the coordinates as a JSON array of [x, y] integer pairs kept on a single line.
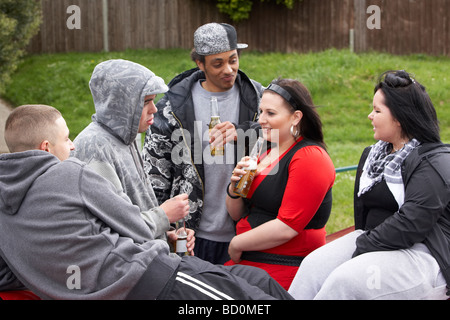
[[296, 189]]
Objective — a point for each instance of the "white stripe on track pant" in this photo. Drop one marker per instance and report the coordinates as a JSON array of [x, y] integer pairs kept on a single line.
[[202, 287]]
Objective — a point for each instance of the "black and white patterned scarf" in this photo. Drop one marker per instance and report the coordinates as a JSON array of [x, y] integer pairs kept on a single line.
[[381, 163]]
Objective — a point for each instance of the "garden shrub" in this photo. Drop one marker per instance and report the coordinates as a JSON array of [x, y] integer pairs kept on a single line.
[[19, 22], [239, 10]]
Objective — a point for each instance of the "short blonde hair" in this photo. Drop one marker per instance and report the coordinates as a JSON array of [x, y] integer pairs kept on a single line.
[[29, 125]]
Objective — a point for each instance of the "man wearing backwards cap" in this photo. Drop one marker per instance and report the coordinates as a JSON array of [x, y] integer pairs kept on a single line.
[[186, 106]]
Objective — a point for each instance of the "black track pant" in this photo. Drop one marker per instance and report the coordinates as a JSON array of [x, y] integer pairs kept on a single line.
[[196, 279]]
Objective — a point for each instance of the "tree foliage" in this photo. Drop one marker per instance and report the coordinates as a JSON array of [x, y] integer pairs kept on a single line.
[[239, 10], [19, 22]]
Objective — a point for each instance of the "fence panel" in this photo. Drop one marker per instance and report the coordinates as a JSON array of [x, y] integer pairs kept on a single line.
[[407, 26]]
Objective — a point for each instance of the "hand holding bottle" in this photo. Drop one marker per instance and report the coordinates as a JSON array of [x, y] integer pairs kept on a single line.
[[186, 248], [222, 133], [239, 171]]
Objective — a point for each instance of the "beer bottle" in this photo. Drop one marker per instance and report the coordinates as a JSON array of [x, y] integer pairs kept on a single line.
[[215, 119], [181, 243], [243, 186]]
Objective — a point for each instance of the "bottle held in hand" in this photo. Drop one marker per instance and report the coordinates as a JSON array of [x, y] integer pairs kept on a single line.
[[243, 185], [181, 243], [215, 119]]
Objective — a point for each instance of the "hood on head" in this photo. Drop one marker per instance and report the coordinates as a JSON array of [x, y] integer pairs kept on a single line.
[[118, 88], [18, 171]]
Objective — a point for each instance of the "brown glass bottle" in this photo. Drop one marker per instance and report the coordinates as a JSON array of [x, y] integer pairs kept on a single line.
[[242, 187]]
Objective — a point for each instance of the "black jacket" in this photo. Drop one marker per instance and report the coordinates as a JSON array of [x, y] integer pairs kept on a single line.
[[173, 134], [425, 215]]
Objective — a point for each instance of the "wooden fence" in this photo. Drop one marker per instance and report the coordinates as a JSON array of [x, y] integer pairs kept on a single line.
[[405, 26], [410, 26]]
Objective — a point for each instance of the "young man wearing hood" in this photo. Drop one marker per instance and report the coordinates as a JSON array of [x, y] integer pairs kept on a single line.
[[68, 233], [183, 114], [123, 93]]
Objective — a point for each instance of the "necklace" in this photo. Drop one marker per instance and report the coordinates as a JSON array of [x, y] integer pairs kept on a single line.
[[395, 149]]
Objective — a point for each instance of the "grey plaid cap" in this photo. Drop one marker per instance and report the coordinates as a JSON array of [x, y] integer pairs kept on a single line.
[[214, 38]]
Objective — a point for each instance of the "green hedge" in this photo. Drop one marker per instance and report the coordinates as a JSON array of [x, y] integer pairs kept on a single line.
[[19, 22], [239, 10]]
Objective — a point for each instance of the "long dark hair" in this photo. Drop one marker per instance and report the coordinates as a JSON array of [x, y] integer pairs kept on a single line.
[[310, 125], [410, 104]]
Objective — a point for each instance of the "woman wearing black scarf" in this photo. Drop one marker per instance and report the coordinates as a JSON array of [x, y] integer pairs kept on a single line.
[[400, 249]]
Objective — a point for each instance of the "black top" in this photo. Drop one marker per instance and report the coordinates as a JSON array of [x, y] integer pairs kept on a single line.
[[379, 203], [266, 201]]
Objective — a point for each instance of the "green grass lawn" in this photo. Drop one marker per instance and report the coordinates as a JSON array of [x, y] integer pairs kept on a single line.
[[340, 82]]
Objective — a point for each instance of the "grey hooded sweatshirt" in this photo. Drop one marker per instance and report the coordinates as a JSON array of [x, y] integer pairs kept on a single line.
[[67, 233], [108, 145]]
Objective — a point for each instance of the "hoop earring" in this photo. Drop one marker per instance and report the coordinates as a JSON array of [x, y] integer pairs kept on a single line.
[[296, 133]]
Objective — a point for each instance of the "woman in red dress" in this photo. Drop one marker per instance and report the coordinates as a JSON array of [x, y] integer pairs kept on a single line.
[[284, 215]]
